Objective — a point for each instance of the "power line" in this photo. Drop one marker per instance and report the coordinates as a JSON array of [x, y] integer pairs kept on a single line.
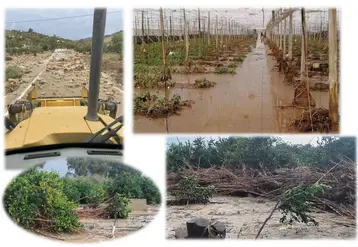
[[59, 18]]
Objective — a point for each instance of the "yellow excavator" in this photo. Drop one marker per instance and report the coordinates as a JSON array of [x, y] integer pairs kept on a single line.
[[40, 121]]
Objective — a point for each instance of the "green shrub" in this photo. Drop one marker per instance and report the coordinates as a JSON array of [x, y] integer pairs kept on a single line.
[[35, 199], [224, 70], [150, 191], [86, 190], [118, 207], [13, 72], [296, 203], [191, 192], [126, 184], [204, 83]]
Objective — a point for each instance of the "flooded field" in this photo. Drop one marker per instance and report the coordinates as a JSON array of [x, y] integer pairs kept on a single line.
[[244, 216], [253, 100]]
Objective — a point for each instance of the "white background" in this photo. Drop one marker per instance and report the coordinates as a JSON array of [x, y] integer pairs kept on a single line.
[[146, 152]]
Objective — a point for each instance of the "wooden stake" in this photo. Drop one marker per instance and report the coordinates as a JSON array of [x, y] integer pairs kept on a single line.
[[148, 29], [164, 62], [333, 68], [164, 54], [208, 27], [284, 40], [290, 38], [216, 38], [142, 27], [186, 31], [200, 41]]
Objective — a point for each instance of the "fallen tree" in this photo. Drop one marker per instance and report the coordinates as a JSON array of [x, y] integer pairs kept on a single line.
[[339, 198]]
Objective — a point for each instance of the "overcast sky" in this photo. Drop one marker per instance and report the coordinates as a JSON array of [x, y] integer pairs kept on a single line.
[[73, 28], [294, 139]]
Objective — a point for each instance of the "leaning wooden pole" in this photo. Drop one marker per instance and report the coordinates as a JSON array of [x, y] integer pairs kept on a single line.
[[333, 69]]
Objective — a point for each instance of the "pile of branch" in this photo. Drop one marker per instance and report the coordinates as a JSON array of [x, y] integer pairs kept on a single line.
[[98, 212], [321, 121], [340, 198]]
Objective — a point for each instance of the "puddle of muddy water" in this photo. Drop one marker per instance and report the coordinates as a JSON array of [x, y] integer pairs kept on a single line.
[[244, 216], [246, 102]]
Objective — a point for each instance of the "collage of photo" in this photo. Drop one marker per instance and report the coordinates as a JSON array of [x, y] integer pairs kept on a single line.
[[247, 99]]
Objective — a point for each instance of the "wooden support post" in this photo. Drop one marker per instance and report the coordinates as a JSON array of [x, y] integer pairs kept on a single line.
[[222, 33], [148, 29], [284, 40], [136, 30], [142, 27], [229, 29], [170, 28], [290, 38], [164, 54], [186, 31], [273, 27], [333, 69], [216, 38], [200, 40], [209, 28]]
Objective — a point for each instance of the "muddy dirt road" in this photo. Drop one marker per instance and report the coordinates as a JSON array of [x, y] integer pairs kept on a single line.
[[96, 230], [62, 74], [248, 101], [244, 216]]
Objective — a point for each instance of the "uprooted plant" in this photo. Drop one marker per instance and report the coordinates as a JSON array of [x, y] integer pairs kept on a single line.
[[296, 205], [158, 107], [191, 192], [204, 83]]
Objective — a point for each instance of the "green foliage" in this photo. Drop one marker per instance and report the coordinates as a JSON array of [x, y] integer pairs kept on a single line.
[[150, 191], [13, 72], [88, 167], [224, 70], [157, 107], [191, 192], [118, 207], [18, 42], [93, 181], [204, 83], [296, 203], [35, 199], [150, 77], [116, 44], [272, 152], [85, 190], [233, 65]]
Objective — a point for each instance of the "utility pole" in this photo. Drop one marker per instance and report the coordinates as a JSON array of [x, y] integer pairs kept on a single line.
[[263, 18]]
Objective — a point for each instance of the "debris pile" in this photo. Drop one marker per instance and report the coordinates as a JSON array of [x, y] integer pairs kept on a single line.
[[321, 121], [340, 197]]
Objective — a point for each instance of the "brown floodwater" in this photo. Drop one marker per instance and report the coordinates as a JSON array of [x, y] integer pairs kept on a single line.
[[246, 102]]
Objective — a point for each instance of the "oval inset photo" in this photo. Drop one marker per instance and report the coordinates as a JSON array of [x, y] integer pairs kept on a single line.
[[82, 200]]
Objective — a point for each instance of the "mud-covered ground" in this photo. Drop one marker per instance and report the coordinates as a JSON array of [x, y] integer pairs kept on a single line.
[[62, 74], [253, 100], [101, 229], [244, 216]]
